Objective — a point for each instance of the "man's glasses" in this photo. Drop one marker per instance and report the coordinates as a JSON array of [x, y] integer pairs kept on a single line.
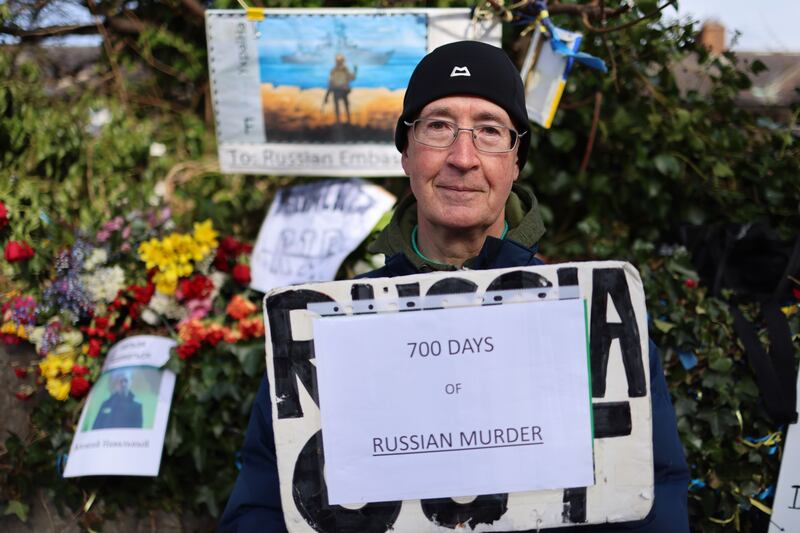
[[439, 133]]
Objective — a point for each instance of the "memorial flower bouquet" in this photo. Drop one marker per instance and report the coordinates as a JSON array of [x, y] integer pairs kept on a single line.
[[136, 274]]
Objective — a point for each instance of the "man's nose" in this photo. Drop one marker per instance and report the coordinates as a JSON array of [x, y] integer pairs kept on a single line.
[[463, 153]]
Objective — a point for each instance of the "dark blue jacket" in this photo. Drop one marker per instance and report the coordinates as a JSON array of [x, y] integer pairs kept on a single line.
[[255, 503]]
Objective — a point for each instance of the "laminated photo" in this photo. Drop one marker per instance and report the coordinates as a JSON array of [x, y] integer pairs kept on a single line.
[[316, 92]]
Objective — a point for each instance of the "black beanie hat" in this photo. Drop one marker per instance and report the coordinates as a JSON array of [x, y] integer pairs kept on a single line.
[[471, 68]]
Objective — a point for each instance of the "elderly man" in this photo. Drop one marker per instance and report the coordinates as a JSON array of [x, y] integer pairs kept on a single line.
[[463, 135]]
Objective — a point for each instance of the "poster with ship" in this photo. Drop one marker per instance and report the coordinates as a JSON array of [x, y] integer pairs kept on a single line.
[[318, 92]]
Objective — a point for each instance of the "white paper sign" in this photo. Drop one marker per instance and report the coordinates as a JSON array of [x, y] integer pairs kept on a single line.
[[311, 228], [409, 399], [122, 426], [786, 507]]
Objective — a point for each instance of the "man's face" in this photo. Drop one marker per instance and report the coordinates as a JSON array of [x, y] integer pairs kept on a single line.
[[459, 187], [120, 385]]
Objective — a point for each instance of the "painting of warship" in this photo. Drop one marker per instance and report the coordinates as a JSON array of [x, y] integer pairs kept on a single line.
[[341, 79]]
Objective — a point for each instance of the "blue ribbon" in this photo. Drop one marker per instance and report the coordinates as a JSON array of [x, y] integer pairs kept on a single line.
[[559, 46]]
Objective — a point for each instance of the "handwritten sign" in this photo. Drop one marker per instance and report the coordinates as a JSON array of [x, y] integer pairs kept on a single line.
[[620, 397], [504, 389], [311, 228], [786, 507], [122, 425], [322, 101]]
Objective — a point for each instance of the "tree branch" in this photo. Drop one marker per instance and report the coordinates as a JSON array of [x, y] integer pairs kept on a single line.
[[195, 8], [589, 27]]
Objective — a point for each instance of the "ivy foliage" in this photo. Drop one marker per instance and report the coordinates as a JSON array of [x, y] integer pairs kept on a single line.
[[660, 158]]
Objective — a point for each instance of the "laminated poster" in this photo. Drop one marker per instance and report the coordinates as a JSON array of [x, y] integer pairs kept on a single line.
[[317, 92], [310, 229], [122, 426], [544, 73], [494, 401]]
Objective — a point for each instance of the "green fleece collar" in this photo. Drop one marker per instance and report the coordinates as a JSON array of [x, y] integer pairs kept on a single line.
[[522, 216]]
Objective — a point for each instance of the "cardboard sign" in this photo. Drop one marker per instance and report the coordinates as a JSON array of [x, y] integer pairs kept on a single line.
[[122, 426], [786, 507], [621, 411], [311, 228], [504, 388], [317, 92]]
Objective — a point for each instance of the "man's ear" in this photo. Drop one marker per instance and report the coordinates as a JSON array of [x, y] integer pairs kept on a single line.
[[516, 172], [404, 161]]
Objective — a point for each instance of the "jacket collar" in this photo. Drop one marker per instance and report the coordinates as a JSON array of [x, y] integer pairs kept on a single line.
[[525, 228]]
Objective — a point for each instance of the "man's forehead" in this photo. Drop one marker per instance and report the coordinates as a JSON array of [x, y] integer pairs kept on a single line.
[[472, 107]]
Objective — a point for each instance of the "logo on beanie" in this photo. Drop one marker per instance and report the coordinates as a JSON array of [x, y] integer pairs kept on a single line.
[[460, 71]]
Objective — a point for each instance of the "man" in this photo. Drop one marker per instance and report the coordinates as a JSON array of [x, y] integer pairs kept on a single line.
[[463, 135], [120, 410], [339, 85]]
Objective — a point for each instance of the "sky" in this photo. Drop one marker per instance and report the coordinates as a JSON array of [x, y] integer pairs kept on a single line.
[[765, 25]]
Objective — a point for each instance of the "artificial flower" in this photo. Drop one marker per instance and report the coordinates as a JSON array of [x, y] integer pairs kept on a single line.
[[18, 251]]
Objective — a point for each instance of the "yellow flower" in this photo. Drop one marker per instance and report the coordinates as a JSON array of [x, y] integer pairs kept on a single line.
[[204, 233], [58, 388]]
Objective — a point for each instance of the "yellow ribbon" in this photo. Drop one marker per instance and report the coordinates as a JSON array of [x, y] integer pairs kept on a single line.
[[760, 506], [254, 13]]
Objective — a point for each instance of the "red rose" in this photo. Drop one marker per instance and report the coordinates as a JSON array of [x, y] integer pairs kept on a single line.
[[20, 372], [79, 370], [195, 288], [3, 215], [78, 387], [245, 248], [241, 273], [94, 347], [101, 322], [188, 348], [18, 251], [690, 283], [796, 293], [214, 336], [229, 244]]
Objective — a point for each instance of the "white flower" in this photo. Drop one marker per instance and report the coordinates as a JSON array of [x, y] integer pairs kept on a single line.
[[98, 257], [157, 149], [167, 306], [104, 283], [150, 317]]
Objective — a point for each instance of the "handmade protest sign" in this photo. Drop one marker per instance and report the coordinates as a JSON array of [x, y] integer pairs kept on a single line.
[[311, 228], [121, 429], [307, 353], [317, 92], [786, 507]]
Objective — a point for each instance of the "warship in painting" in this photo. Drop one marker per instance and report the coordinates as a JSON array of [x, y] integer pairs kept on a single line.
[[321, 53]]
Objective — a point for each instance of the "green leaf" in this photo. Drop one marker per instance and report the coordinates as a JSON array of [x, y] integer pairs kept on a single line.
[[562, 140], [19, 509], [721, 365], [667, 164], [662, 325], [722, 170]]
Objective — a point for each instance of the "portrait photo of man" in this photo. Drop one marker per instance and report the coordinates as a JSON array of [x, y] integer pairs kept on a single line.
[[120, 409]]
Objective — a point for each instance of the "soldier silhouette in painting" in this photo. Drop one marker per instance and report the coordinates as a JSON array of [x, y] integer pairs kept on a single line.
[[339, 86]]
